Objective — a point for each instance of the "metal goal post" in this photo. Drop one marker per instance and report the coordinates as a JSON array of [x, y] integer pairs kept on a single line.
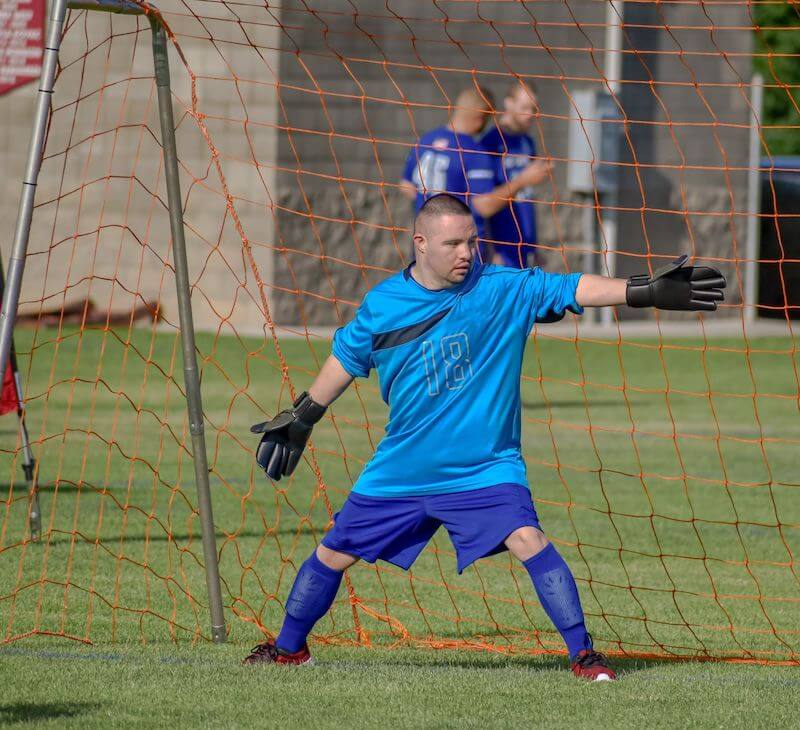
[[16, 266]]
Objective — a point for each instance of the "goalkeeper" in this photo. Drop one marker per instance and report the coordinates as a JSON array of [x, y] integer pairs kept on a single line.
[[447, 336]]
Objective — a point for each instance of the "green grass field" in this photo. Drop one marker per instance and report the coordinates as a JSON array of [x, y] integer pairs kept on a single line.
[[665, 474]]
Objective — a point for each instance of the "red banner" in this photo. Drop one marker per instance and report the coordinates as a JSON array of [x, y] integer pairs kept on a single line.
[[9, 400], [21, 41]]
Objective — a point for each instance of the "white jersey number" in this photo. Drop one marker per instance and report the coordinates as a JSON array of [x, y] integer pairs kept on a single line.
[[455, 362], [431, 172]]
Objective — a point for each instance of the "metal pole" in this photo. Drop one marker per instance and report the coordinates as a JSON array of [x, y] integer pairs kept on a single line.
[[589, 221], [28, 465], [16, 264], [190, 371], [28, 462], [753, 199], [612, 70], [612, 60]]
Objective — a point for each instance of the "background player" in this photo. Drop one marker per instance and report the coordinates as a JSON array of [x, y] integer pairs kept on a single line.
[[447, 337], [449, 159], [512, 225]]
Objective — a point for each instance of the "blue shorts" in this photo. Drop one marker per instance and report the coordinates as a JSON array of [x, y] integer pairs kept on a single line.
[[397, 529]]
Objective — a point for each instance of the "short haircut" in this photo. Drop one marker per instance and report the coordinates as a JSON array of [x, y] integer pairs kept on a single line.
[[475, 97], [439, 205], [517, 85]]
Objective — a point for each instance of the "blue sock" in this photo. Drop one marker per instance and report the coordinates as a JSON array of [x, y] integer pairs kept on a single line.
[[558, 595], [309, 600]]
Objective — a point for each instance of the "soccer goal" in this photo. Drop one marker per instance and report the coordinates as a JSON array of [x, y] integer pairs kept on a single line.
[[214, 186]]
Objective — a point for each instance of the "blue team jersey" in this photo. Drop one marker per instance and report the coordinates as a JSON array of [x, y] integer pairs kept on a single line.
[[511, 153], [449, 365], [446, 162]]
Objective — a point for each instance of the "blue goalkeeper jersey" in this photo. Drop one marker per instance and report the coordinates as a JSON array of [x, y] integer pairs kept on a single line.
[[512, 153], [449, 363], [444, 161]]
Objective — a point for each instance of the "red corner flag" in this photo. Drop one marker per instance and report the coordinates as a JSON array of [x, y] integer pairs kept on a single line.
[[9, 398]]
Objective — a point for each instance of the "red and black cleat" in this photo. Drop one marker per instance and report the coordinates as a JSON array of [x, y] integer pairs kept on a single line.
[[592, 666], [268, 653]]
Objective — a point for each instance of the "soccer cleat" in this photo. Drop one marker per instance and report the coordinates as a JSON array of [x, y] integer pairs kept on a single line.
[[268, 653], [593, 666]]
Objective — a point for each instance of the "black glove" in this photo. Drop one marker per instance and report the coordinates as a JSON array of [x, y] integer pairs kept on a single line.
[[677, 287], [285, 436]]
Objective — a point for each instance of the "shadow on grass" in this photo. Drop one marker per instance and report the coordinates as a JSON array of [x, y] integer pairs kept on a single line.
[[42, 711], [353, 658], [483, 661], [486, 661], [469, 660], [22, 486], [576, 403], [183, 538]]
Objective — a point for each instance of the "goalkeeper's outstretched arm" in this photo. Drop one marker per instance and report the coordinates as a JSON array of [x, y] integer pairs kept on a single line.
[[674, 286], [600, 291]]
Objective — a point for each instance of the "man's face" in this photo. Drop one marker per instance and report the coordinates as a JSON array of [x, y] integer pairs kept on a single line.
[[447, 245], [475, 120], [521, 108]]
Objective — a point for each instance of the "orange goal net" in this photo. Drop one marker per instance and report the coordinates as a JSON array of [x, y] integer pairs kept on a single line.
[[661, 452]]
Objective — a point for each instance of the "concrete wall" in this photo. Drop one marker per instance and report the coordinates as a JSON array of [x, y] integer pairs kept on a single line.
[[688, 132], [312, 108], [101, 228], [355, 95]]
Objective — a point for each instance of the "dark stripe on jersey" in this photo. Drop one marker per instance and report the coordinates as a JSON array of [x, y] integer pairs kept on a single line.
[[393, 338]]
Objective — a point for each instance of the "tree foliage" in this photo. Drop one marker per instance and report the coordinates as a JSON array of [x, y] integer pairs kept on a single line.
[[777, 43]]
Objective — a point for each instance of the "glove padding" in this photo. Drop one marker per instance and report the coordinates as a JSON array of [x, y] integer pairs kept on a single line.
[[285, 436], [677, 287]]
